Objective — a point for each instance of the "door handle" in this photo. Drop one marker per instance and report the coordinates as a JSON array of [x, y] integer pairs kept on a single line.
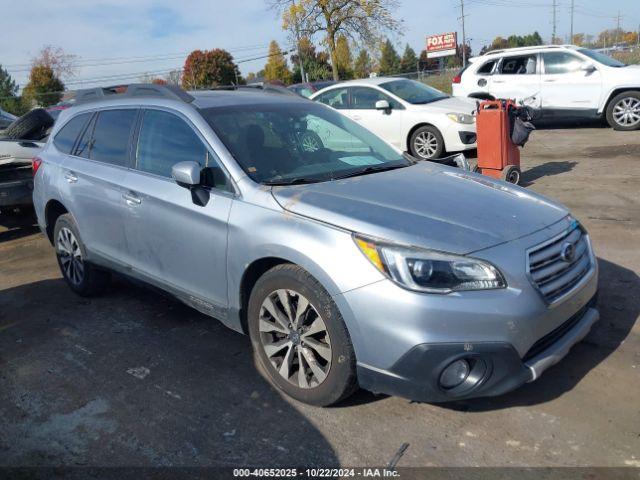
[[131, 199], [71, 177], [356, 117], [549, 81]]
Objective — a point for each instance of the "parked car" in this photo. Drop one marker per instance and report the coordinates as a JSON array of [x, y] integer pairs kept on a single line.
[[19, 143], [564, 81], [6, 119], [346, 267], [307, 89], [410, 115]]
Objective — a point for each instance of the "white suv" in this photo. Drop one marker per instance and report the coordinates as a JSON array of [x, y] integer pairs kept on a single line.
[[565, 81]]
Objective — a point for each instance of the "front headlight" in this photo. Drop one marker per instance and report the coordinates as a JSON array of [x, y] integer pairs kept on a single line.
[[462, 118], [430, 271]]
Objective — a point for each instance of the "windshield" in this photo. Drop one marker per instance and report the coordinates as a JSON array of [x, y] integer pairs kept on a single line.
[[413, 92], [299, 142], [600, 57]]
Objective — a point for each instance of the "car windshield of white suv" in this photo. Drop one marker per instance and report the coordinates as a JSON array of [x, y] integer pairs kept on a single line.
[[413, 92], [290, 143], [601, 58]]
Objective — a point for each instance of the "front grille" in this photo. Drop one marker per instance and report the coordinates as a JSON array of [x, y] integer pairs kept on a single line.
[[551, 338], [552, 272]]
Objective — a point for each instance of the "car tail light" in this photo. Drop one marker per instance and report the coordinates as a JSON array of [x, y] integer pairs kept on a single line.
[[457, 79], [35, 164]]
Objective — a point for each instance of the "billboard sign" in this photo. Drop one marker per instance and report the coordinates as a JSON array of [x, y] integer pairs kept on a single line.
[[442, 45]]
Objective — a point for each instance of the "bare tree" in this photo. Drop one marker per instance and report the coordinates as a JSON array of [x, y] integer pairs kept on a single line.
[[363, 20], [174, 77], [62, 64]]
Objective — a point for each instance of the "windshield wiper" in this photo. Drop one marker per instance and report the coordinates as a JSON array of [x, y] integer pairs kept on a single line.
[[291, 181], [368, 170]]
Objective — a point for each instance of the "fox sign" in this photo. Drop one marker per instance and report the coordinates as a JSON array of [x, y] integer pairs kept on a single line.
[[442, 45]]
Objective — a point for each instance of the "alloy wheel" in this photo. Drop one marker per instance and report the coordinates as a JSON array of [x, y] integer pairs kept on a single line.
[[294, 338], [70, 255], [426, 144], [626, 112]]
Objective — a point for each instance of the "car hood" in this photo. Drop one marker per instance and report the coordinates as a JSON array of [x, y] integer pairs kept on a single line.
[[451, 105], [425, 205]]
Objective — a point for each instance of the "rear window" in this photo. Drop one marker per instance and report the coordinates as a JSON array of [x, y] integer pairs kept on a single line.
[[111, 136], [66, 137]]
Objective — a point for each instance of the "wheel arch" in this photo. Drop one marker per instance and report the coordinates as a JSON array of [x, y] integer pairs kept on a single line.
[[613, 94], [481, 96], [52, 211], [416, 127]]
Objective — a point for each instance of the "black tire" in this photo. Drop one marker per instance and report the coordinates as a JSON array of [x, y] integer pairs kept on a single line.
[[91, 280], [425, 134], [31, 126], [340, 381], [632, 96], [511, 174]]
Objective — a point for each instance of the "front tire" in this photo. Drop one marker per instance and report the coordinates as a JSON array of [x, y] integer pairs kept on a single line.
[[623, 111], [82, 277], [426, 143], [299, 338], [511, 174]]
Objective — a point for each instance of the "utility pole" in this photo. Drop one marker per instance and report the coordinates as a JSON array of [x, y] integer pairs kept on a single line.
[[572, 10], [553, 31], [618, 19], [297, 31], [464, 36]]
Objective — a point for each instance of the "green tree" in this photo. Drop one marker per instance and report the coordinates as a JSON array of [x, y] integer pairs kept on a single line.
[[344, 58], [409, 60], [364, 20], [9, 101], [316, 64], [44, 87], [276, 67], [210, 68], [389, 59], [363, 65]]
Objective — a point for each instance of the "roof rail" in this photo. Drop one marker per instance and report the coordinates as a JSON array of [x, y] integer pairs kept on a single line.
[[257, 86], [522, 49], [132, 90]]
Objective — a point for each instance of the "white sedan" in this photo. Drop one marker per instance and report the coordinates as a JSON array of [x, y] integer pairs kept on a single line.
[[409, 115]]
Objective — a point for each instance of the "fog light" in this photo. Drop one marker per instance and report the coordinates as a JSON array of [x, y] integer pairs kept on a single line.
[[454, 374]]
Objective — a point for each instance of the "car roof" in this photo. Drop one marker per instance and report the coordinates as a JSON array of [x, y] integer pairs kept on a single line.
[[224, 98], [535, 48]]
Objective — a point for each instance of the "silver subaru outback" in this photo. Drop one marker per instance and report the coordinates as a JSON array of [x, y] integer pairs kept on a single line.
[[347, 262]]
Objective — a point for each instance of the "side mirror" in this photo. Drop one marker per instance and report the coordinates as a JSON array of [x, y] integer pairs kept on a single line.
[[186, 174], [589, 68], [382, 105]]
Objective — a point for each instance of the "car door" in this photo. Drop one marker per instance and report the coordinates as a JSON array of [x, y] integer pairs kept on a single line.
[[517, 77], [387, 124], [171, 240], [94, 174], [569, 82]]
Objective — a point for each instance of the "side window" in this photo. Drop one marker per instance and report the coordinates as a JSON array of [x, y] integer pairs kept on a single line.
[[165, 139], [363, 98], [111, 135], [560, 62], [521, 65], [487, 68], [336, 98], [66, 138]]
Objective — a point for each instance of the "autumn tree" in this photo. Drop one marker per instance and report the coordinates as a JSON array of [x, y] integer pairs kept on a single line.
[[363, 65], [276, 67], [61, 63], [362, 20], [409, 60], [209, 68], [344, 58], [44, 87], [389, 59]]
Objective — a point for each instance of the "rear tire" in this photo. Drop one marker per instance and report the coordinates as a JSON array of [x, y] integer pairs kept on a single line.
[[426, 143], [82, 277], [623, 111], [303, 348]]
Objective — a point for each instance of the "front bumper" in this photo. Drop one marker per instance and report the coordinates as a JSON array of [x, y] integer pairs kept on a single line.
[[498, 367], [459, 137]]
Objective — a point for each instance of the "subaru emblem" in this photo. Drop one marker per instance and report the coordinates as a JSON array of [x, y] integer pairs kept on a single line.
[[568, 252]]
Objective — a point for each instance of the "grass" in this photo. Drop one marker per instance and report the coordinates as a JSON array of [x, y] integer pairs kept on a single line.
[[630, 58], [441, 80]]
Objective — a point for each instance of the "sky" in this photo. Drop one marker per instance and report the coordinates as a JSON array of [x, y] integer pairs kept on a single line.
[[117, 41]]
